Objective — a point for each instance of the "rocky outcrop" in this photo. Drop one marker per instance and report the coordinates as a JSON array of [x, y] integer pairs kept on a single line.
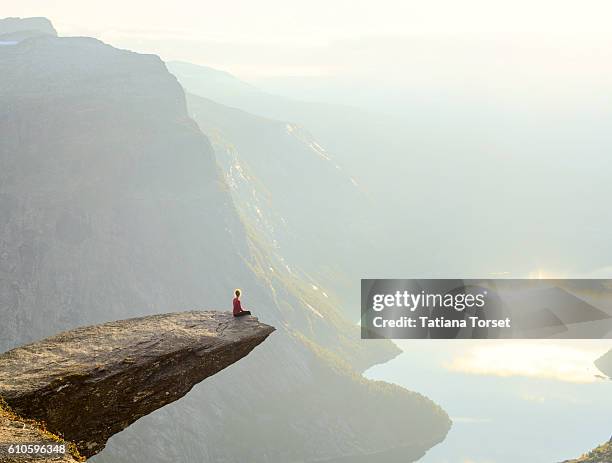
[[601, 454], [90, 383]]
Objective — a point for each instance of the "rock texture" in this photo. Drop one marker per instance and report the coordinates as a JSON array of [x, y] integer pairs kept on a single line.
[[15, 431], [90, 383]]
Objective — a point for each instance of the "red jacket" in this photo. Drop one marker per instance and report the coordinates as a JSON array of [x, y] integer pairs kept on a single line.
[[237, 306]]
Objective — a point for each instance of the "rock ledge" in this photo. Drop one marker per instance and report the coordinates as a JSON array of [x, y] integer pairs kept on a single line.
[[90, 383]]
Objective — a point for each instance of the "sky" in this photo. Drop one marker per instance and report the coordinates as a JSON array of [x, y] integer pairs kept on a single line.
[[528, 50]]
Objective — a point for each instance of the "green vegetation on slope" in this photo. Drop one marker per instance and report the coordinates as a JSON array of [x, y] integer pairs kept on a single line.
[[601, 454]]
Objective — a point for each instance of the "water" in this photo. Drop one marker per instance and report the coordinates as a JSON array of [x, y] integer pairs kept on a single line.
[[527, 401]]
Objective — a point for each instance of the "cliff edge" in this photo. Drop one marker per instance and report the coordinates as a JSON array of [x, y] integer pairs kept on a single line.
[[90, 383]]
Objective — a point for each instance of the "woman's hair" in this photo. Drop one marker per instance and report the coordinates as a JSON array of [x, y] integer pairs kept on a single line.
[[237, 293]]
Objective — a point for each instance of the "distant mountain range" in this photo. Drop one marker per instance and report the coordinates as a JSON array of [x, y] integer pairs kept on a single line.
[[113, 204], [17, 29]]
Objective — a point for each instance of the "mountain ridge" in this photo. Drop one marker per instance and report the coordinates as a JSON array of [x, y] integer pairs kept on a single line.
[[18, 29]]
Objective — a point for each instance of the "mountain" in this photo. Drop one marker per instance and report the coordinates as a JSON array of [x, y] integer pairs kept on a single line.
[[288, 186], [411, 216], [112, 205], [353, 135], [17, 29], [358, 144], [434, 170]]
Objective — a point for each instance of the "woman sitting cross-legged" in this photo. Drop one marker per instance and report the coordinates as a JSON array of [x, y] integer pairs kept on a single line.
[[238, 312]]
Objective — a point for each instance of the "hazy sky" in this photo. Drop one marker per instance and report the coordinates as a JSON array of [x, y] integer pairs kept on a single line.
[[532, 47]]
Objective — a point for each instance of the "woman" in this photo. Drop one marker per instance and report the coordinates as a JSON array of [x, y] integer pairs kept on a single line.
[[238, 312]]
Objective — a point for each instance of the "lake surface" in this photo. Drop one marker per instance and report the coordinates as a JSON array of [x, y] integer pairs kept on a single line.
[[510, 401]]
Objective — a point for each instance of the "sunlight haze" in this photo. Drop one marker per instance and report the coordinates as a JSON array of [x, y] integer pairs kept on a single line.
[[497, 42]]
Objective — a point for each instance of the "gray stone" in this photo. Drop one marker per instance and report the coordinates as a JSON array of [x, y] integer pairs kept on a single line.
[[90, 383]]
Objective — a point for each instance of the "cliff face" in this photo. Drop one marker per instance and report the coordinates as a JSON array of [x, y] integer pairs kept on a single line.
[[90, 383], [308, 228], [112, 206], [270, 166], [271, 161], [110, 203]]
